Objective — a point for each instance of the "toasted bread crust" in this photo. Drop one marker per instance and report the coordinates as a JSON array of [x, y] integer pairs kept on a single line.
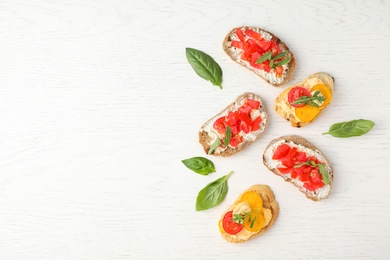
[[269, 202], [235, 55], [300, 141], [285, 110], [205, 136]]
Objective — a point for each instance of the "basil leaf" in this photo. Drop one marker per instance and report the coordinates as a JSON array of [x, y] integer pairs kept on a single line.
[[205, 66], [228, 135], [282, 62], [214, 146], [280, 55], [199, 165], [213, 194], [350, 128], [264, 57], [324, 174]]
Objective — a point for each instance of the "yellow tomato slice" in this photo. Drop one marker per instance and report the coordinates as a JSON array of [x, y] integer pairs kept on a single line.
[[325, 91], [255, 221], [306, 113], [253, 199]]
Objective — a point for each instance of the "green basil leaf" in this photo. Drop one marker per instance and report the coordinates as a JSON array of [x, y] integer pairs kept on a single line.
[[324, 174], [214, 146], [282, 62], [280, 55], [213, 194], [228, 134], [205, 66], [350, 128], [264, 57], [199, 165]]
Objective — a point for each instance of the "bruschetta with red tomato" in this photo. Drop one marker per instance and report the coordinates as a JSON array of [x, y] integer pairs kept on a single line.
[[303, 102], [297, 161], [252, 214], [235, 127], [261, 52]]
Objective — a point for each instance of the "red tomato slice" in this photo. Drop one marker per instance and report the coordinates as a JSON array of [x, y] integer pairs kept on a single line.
[[254, 58], [316, 186], [246, 56], [245, 109], [245, 128], [296, 93], [238, 44], [315, 176], [220, 125], [232, 118], [300, 157], [256, 123], [252, 103], [240, 34], [229, 226], [235, 140], [284, 170], [290, 153], [281, 151], [245, 118], [253, 34], [303, 177], [275, 48], [294, 173], [265, 66], [308, 186], [279, 70], [264, 45]]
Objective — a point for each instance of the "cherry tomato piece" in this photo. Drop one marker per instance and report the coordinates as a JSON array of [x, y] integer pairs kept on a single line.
[[240, 34], [253, 34], [256, 123], [252, 103], [229, 226], [295, 93], [281, 151], [220, 125]]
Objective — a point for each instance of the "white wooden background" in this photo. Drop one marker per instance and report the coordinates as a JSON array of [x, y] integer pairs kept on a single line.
[[98, 106]]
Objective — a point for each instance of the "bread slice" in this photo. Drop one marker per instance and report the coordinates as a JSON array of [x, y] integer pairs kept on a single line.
[[208, 135], [285, 110], [269, 204], [302, 145], [236, 55]]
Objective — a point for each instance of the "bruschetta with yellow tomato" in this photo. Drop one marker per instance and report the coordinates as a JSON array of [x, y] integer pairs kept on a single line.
[[253, 213], [303, 102]]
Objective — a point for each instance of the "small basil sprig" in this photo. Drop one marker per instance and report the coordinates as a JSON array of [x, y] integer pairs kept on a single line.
[[272, 59], [199, 165], [350, 128], [213, 194], [205, 66], [321, 167], [218, 142], [310, 100], [240, 218]]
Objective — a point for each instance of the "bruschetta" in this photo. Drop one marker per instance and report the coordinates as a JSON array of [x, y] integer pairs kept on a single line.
[[261, 52], [303, 102], [253, 213], [235, 127], [297, 161]]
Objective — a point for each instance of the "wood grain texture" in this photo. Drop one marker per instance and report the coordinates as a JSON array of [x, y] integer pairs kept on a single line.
[[98, 106]]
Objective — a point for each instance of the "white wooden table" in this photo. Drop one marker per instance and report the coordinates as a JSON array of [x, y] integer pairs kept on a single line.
[[98, 106]]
